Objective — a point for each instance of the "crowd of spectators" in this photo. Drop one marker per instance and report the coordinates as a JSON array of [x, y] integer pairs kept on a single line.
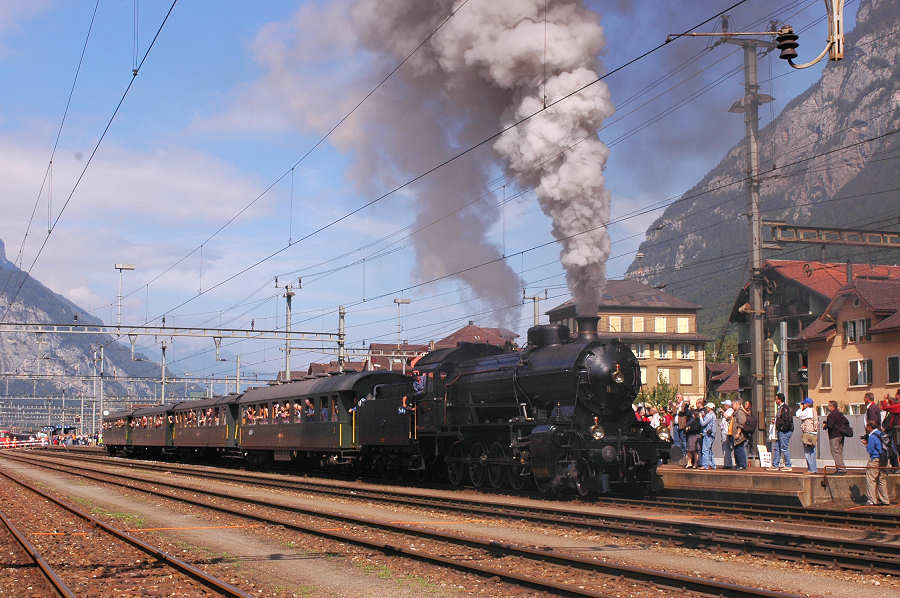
[[693, 427]]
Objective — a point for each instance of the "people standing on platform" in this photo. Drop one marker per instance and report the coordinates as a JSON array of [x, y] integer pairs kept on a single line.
[[707, 436], [654, 418], [749, 427], [692, 434], [738, 421], [838, 428], [891, 425], [679, 426], [873, 413], [876, 478], [810, 432], [727, 438], [784, 428]]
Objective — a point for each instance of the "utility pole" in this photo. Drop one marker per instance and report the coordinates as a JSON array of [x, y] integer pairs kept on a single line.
[[288, 296], [536, 300], [237, 374], [102, 367], [121, 268], [749, 106], [342, 337], [162, 377], [400, 303]]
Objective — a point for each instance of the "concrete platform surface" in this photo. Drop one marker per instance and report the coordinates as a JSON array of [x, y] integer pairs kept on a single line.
[[795, 487]]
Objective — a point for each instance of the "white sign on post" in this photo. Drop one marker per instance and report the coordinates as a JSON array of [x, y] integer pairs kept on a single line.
[[765, 457]]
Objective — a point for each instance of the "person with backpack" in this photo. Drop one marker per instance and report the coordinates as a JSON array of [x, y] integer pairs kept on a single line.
[[784, 428], [876, 478], [692, 432], [749, 427], [838, 428]]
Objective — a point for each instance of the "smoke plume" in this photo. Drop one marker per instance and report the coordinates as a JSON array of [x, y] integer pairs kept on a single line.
[[491, 64]]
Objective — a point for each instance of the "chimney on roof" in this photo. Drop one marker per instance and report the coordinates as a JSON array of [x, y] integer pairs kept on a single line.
[[471, 322], [849, 274]]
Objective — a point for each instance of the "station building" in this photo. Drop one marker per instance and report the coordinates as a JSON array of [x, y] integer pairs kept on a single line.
[[854, 345], [661, 329], [795, 294]]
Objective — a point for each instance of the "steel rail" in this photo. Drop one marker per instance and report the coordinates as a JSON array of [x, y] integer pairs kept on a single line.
[[545, 554], [51, 576], [864, 519], [204, 578]]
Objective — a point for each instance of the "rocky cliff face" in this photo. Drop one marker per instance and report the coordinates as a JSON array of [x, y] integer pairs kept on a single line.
[[699, 247], [59, 354]]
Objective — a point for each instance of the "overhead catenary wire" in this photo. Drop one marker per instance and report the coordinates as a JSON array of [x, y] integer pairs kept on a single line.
[[445, 162], [48, 170], [90, 159]]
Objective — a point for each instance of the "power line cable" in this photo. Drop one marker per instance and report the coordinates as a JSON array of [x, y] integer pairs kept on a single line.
[[89, 160]]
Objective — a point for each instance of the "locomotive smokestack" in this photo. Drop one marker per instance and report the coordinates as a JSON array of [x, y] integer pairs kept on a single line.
[[587, 327]]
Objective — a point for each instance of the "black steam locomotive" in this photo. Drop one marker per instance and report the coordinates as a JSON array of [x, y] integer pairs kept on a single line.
[[556, 414]]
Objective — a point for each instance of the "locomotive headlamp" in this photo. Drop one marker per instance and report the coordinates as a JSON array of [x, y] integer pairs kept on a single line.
[[597, 431], [663, 433], [617, 376]]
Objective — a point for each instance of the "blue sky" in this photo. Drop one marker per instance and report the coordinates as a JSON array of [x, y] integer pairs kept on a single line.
[[187, 151]]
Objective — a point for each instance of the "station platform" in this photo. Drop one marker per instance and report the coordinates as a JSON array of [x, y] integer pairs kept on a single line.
[[796, 488]]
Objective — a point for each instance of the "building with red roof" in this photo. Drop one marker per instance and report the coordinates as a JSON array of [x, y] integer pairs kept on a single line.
[[796, 293], [854, 345]]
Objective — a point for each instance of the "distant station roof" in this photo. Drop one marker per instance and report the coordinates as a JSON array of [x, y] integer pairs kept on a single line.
[[629, 294], [499, 337]]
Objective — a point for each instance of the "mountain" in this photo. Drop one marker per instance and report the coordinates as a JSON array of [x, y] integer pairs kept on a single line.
[[26, 353], [814, 170]]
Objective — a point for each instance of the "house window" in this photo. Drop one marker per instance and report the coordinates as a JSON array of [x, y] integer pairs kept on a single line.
[[643, 375], [685, 351], [856, 330], [663, 375], [664, 351], [637, 324], [640, 350], [660, 325], [682, 325], [685, 377], [615, 323], [825, 375], [861, 372], [893, 369]]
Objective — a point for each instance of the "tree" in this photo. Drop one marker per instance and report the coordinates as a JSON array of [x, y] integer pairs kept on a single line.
[[659, 396]]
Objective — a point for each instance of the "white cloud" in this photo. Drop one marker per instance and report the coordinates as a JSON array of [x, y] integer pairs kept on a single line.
[[12, 13], [147, 208]]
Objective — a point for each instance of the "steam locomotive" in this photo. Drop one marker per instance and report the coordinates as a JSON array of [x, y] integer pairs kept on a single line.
[[556, 414]]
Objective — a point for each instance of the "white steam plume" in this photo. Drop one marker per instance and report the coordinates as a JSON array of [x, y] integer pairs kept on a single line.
[[494, 62]]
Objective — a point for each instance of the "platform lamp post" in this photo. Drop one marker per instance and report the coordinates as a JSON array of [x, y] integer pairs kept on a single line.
[[121, 268], [400, 301]]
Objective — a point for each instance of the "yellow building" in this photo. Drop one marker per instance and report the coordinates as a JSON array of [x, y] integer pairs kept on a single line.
[[854, 346], [661, 329]]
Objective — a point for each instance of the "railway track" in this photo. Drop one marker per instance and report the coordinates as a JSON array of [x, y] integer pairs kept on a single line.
[[214, 584], [864, 519], [539, 558], [48, 573]]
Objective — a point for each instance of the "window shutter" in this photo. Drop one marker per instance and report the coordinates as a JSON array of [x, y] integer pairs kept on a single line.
[[869, 375], [846, 332]]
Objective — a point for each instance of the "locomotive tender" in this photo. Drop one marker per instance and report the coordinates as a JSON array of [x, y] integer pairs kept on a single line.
[[556, 414]]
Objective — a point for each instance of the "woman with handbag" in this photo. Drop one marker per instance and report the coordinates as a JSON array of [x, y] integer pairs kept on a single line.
[[810, 431]]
